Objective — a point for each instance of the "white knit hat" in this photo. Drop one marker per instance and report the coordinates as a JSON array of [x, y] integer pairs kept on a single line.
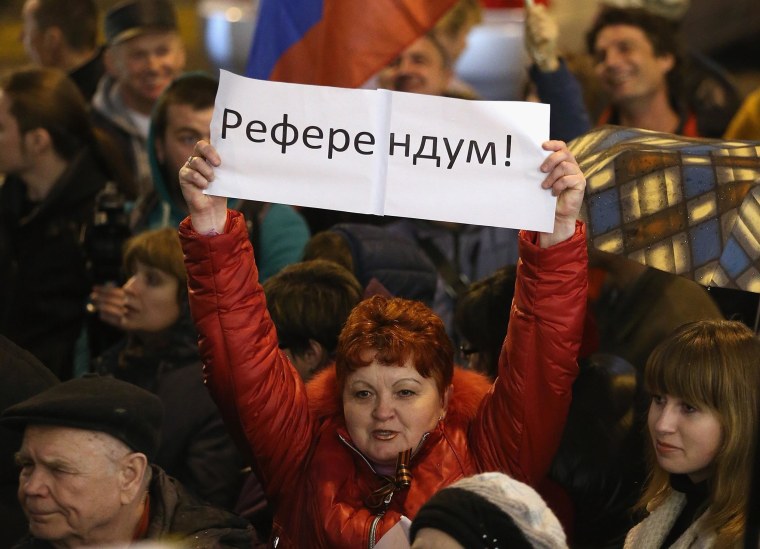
[[670, 9], [451, 510]]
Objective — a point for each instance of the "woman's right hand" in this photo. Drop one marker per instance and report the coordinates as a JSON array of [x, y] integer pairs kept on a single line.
[[208, 213], [110, 302]]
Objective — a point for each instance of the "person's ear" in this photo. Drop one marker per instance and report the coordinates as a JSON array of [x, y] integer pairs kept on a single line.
[[667, 62], [160, 149], [315, 354], [183, 55], [110, 61], [52, 42], [37, 141], [132, 471], [445, 400]]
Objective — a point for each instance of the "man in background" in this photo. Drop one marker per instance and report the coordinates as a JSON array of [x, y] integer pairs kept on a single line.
[[86, 478], [144, 54], [64, 35]]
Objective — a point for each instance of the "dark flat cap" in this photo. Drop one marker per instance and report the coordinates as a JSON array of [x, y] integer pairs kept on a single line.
[[133, 17], [95, 403]]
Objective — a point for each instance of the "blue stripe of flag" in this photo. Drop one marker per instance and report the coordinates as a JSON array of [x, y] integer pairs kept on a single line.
[[280, 24]]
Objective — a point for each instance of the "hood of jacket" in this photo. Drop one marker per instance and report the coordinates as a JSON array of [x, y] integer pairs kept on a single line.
[[108, 103]]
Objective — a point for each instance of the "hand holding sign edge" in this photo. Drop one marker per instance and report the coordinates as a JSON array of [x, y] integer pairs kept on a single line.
[[208, 213], [567, 183]]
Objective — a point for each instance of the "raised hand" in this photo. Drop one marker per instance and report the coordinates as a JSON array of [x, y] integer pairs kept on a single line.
[[541, 34], [567, 183], [208, 213]]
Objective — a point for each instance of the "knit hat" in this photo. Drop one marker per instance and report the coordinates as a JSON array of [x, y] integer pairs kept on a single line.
[[133, 17], [670, 9], [95, 403], [491, 510]]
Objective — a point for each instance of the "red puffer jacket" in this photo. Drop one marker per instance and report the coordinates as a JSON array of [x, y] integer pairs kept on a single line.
[[315, 478]]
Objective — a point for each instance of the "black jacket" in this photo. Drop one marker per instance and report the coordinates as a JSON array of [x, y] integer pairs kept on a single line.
[[44, 281], [195, 447]]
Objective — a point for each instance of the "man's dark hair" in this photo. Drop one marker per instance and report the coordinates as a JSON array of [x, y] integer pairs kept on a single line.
[[661, 32], [311, 300], [77, 19], [481, 316], [198, 90]]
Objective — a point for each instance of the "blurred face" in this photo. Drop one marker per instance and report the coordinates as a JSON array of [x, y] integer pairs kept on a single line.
[[430, 538], [686, 439], [13, 154], [68, 486], [184, 127], [31, 37], [420, 68], [151, 300], [389, 408], [144, 66], [626, 64]]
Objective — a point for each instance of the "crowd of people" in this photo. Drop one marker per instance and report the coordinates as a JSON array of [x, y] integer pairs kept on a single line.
[[206, 372]]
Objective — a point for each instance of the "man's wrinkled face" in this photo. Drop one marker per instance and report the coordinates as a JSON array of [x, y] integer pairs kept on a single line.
[[420, 68], [68, 484], [144, 66]]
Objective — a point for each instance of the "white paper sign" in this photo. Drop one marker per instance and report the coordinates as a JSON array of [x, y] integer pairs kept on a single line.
[[382, 152]]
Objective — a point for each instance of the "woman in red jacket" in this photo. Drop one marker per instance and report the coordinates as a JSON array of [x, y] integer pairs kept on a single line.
[[370, 439]]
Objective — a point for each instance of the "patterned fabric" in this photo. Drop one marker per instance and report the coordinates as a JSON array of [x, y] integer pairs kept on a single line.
[[683, 205]]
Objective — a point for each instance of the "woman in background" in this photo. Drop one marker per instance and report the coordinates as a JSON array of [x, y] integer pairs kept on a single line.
[[705, 386]]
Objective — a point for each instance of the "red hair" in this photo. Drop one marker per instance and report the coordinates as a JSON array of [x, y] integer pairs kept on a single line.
[[399, 330]]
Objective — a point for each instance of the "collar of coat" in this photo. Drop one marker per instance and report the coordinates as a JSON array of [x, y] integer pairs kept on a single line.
[[469, 389]]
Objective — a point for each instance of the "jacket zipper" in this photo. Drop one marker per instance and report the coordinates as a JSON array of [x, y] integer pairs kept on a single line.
[[376, 520]]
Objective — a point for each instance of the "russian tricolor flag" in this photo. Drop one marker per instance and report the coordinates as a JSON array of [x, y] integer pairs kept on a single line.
[[336, 42]]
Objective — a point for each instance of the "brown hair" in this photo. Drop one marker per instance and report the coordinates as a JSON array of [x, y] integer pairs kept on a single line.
[[331, 246], [77, 19], [311, 300], [195, 89], [398, 330], [481, 316], [712, 364], [159, 248], [48, 99]]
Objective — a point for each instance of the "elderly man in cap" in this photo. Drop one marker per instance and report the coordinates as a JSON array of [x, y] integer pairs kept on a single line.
[[144, 54], [85, 474]]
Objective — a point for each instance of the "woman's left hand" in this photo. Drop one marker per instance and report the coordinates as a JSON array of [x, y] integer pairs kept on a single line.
[[567, 183]]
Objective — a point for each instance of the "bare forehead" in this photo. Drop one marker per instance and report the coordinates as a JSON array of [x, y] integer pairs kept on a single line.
[[148, 41], [423, 46], [184, 114], [385, 374]]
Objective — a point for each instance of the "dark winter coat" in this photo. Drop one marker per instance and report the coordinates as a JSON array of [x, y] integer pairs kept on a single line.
[[195, 447], [44, 281]]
